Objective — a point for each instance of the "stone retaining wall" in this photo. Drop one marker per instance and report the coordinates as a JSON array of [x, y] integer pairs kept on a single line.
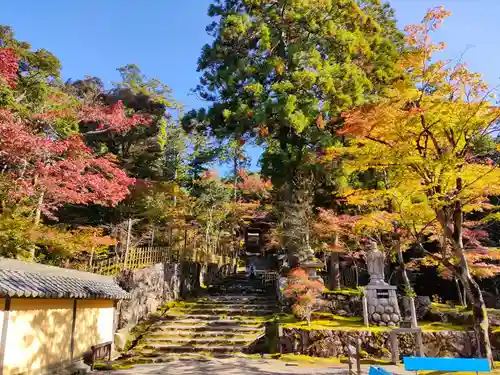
[[325, 343], [153, 287], [342, 304]]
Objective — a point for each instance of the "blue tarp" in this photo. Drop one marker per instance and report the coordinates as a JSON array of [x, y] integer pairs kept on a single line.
[[446, 364]]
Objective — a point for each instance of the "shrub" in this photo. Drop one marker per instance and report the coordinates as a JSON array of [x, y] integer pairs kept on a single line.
[[305, 293]]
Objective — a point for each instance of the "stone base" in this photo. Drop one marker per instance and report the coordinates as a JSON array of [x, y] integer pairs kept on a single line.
[[383, 308]]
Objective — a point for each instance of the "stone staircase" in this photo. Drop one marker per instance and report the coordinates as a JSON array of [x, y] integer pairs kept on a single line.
[[227, 320]]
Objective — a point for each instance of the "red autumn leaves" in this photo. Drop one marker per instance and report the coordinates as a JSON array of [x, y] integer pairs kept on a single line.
[[59, 171], [8, 66], [65, 171]]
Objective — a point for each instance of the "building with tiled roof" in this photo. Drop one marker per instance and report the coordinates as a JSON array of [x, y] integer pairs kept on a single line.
[[51, 316]]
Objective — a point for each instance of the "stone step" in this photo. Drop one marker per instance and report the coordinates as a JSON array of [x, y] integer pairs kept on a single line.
[[227, 312], [211, 323], [193, 328], [207, 317], [236, 292], [199, 341], [173, 348], [240, 298], [235, 306], [240, 334], [160, 357]]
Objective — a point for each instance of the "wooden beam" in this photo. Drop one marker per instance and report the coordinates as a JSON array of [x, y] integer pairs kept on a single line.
[[3, 338], [73, 326]]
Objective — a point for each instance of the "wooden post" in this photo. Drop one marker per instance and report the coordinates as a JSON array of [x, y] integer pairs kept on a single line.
[[358, 356], [366, 321], [414, 323], [3, 336], [152, 237], [394, 347], [420, 344]]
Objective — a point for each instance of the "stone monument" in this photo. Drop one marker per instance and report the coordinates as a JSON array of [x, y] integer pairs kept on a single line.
[[383, 308]]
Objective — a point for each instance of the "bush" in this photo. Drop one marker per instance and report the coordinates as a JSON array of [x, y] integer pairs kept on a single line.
[[305, 293]]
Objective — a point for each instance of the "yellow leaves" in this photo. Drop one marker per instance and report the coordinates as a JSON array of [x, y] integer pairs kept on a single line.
[[376, 222], [369, 198], [279, 67]]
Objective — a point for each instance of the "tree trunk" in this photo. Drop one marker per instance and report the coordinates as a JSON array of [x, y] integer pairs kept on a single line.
[[38, 212], [402, 265], [479, 313], [235, 182], [127, 245], [334, 267], [38, 218], [459, 292]]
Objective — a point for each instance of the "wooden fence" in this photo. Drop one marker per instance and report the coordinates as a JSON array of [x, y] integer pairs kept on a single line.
[[142, 257]]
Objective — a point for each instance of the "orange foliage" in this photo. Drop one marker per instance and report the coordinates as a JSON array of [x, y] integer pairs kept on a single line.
[[305, 292]]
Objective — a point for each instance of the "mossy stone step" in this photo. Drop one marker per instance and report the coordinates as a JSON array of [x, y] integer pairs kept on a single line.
[[202, 322], [231, 303], [236, 317], [150, 356], [199, 341], [242, 307], [240, 299], [226, 312], [208, 334], [172, 348], [203, 327]]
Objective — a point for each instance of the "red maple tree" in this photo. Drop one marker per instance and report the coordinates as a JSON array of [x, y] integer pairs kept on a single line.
[[305, 293], [57, 172], [8, 66], [111, 118]]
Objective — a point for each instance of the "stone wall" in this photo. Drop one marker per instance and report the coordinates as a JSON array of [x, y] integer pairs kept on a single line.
[[153, 287], [149, 288], [342, 304], [324, 343]]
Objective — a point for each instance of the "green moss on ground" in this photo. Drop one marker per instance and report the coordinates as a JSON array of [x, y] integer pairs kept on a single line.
[[346, 292], [445, 308], [341, 323], [299, 358], [98, 366]]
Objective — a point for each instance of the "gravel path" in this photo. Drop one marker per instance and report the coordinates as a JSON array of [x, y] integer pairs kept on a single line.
[[238, 366]]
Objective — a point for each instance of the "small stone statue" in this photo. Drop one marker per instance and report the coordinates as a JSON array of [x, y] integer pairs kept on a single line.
[[375, 262]]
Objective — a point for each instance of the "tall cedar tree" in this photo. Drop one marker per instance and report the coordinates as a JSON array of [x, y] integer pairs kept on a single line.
[[283, 70], [422, 137]]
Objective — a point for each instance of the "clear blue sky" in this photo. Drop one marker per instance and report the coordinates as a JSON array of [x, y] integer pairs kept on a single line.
[[164, 37]]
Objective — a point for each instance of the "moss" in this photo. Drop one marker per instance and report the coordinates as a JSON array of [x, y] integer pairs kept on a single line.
[[346, 292], [98, 366], [329, 321], [299, 358], [439, 326]]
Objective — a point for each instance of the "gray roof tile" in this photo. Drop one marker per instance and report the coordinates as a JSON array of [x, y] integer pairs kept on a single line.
[[25, 279]]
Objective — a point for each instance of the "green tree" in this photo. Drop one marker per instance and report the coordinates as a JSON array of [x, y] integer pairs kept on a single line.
[[282, 71]]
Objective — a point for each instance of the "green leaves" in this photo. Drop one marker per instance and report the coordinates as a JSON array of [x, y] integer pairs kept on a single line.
[[278, 64]]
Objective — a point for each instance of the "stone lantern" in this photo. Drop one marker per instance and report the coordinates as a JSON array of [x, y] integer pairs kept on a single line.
[[311, 267]]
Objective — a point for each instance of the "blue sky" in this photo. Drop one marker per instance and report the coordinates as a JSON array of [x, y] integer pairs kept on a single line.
[[164, 37]]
